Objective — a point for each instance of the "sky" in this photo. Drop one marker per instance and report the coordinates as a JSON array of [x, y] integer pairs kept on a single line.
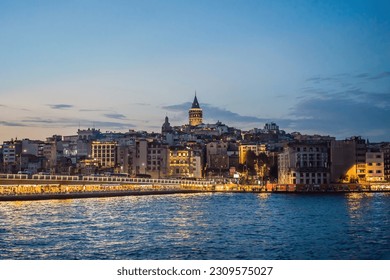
[[317, 67]]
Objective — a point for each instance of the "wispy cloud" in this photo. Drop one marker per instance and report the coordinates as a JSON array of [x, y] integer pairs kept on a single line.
[[213, 113], [60, 106], [380, 76], [70, 122], [93, 110], [345, 113], [4, 123], [115, 116]]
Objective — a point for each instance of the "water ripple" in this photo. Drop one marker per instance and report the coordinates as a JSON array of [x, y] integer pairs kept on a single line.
[[199, 226]]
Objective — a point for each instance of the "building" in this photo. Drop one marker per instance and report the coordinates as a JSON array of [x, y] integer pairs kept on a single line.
[[385, 148], [217, 156], [89, 134], [166, 127], [195, 114], [184, 163], [244, 148], [348, 160], [150, 157], [304, 163], [374, 166], [104, 154], [271, 128], [12, 156], [157, 159]]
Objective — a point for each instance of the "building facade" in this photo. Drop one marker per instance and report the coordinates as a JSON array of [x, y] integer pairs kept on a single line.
[[104, 154], [244, 148], [386, 159], [374, 166], [304, 163], [184, 163], [217, 156]]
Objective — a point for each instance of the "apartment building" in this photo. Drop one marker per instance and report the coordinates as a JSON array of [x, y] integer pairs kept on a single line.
[[304, 163]]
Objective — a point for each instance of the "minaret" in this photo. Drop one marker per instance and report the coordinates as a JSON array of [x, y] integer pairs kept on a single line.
[[195, 114]]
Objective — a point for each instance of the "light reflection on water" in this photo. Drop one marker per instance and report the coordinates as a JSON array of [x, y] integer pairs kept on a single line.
[[199, 226]]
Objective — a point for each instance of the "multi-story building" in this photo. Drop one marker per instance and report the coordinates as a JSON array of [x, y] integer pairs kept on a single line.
[[184, 163], [104, 154], [52, 151], [348, 160], [150, 157], [12, 152], [157, 159], [217, 156], [385, 148], [374, 166], [304, 163], [243, 148], [195, 114]]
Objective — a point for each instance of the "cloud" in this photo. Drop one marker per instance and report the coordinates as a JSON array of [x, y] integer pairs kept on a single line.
[[60, 106], [214, 113], [362, 75], [93, 110], [3, 123], [70, 122], [112, 125], [36, 120], [115, 116], [344, 114], [380, 76]]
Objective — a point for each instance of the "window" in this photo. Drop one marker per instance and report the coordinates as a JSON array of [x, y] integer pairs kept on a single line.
[[379, 171]]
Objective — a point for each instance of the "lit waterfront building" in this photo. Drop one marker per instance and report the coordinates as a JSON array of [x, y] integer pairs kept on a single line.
[[386, 159], [104, 153], [184, 163], [195, 114], [348, 160], [244, 148], [374, 166], [304, 163]]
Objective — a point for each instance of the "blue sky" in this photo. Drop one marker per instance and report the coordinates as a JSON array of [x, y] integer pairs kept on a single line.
[[310, 66]]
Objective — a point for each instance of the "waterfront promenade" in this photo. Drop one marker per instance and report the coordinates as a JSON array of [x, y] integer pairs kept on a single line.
[[39, 187]]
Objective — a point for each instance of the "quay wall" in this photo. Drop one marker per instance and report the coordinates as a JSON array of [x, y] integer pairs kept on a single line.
[[36, 189]]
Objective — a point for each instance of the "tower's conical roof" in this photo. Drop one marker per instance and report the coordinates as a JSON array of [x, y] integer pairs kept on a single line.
[[195, 104]]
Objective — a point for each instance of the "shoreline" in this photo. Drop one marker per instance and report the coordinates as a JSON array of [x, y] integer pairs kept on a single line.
[[24, 190]]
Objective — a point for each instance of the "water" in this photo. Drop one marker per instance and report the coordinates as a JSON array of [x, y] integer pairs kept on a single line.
[[199, 226]]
